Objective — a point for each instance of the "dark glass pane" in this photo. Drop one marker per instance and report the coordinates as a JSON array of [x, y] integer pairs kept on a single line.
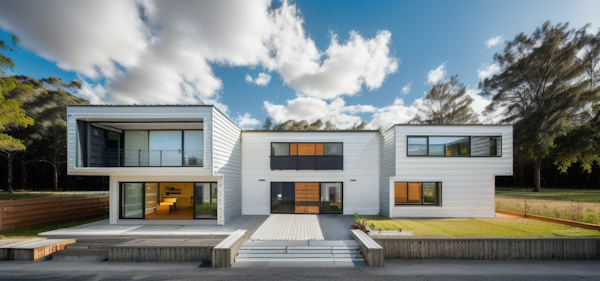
[[417, 146], [284, 162], [331, 198], [330, 163], [449, 146], [306, 163], [282, 197], [430, 193], [486, 146]]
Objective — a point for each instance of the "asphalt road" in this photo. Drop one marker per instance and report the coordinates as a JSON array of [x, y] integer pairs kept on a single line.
[[395, 270]]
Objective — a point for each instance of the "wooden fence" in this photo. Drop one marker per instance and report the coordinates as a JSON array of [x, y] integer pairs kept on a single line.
[[491, 248], [47, 210]]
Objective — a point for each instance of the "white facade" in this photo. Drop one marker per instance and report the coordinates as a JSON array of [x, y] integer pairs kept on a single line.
[[360, 174], [220, 154], [240, 163], [468, 185]]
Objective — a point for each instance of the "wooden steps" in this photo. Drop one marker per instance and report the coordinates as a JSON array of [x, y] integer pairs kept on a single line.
[[33, 249]]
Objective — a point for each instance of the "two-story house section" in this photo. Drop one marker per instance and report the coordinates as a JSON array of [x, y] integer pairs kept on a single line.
[[315, 172], [167, 164], [443, 170]]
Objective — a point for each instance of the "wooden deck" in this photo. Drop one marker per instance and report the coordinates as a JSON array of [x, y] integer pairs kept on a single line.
[[304, 227]]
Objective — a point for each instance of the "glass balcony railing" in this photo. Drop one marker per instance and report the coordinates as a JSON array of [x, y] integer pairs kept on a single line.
[[147, 158]]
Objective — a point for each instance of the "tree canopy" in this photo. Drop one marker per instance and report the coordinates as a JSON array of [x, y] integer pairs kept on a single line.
[[541, 88], [447, 103]]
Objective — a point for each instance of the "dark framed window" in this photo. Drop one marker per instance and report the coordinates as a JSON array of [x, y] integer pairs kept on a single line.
[[486, 146], [454, 146], [418, 193], [307, 156]]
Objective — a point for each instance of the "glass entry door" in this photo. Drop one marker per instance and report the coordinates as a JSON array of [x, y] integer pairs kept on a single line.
[[205, 200]]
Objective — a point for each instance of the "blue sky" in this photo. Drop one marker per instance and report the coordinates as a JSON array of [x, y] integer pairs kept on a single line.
[[124, 60]]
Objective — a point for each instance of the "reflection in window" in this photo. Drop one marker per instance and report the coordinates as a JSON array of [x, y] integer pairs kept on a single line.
[[417, 193], [132, 201], [331, 197], [448, 146], [280, 149], [486, 146], [417, 146]]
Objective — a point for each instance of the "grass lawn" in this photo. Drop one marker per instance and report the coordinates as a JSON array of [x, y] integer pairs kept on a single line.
[[502, 226], [587, 195], [33, 232], [571, 204]]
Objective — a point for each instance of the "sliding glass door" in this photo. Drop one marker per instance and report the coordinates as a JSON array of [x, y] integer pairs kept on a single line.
[[165, 148], [205, 200], [132, 204]]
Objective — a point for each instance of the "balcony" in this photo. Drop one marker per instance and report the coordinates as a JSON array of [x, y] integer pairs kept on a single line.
[[307, 162], [147, 158]]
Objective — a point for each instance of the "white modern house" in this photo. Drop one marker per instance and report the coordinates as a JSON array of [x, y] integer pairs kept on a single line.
[[193, 165]]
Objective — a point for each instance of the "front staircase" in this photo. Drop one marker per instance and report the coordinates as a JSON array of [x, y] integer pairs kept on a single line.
[[298, 252]]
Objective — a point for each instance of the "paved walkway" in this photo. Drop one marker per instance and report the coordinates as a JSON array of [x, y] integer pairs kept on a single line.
[[104, 229], [304, 227]]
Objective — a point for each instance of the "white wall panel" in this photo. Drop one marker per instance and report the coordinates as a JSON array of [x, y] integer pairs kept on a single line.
[[227, 153], [467, 182], [361, 163]]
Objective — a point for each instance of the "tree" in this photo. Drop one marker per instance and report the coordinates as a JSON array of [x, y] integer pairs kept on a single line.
[[540, 89], [268, 124], [5, 61], [11, 115], [447, 103], [302, 125]]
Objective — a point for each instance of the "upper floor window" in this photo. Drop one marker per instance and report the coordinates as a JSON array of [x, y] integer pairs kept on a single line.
[[454, 146], [307, 156]]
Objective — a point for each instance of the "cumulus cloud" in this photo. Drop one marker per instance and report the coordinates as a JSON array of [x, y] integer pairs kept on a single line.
[[494, 41], [489, 71], [396, 113], [437, 75], [406, 89], [262, 80], [312, 109], [94, 93], [164, 51], [246, 121]]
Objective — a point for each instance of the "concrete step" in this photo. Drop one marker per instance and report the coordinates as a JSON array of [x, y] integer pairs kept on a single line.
[[285, 256], [81, 254], [245, 251], [242, 259]]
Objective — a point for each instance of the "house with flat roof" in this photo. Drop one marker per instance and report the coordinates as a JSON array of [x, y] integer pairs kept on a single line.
[[191, 164]]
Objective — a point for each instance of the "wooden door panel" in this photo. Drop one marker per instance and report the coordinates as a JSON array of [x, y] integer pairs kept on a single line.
[[306, 149], [312, 209], [319, 149], [293, 149], [307, 197]]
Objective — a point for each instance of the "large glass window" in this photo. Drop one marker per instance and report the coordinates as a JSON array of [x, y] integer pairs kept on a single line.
[[192, 148], [486, 146], [417, 146], [331, 197], [280, 149], [333, 148], [451, 146], [165, 148], [132, 204], [417, 193], [283, 197]]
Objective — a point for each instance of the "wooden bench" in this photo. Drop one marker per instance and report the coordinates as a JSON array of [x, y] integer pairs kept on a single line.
[[372, 251], [33, 249], [223, 255]]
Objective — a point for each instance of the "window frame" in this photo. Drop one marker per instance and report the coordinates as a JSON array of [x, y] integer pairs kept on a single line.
[[422, 204], [454, 156], [290, 149]]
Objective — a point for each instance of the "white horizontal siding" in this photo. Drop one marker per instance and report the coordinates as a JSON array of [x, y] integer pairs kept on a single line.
[[388, 168], [361, 163], [227, 150], [467, 182]]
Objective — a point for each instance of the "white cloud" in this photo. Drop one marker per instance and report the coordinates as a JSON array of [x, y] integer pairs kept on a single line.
[[93, 93], [247, 122], [312, 109], [406, 89], [494, 41], [489, 71], [437, 75], [262, 80], [396, 113], [163, 51]]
